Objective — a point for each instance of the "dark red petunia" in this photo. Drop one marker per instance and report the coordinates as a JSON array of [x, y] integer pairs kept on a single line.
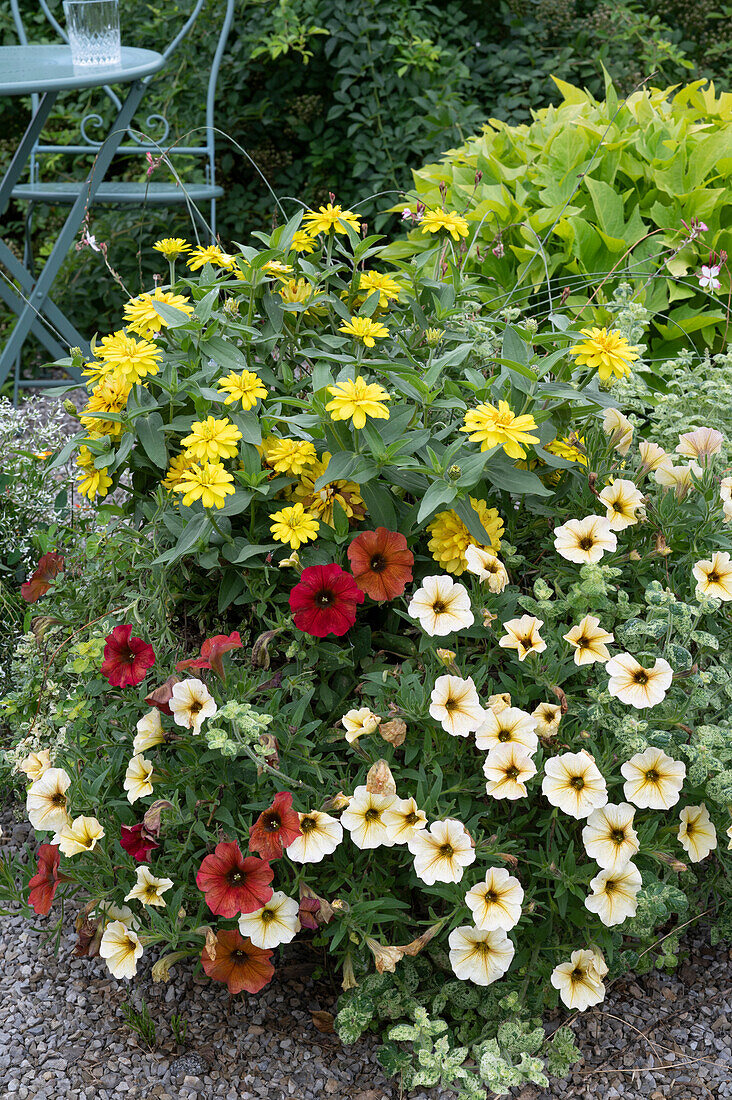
[[324, 601], [49, 567], [126, 659], [275, 828], [44, 884], [162, 695], [237, 962], [137, 842], [212, 651], [381, 563], [233, 884]]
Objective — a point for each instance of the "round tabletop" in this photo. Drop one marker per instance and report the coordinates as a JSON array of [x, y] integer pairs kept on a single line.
[[27, 69]]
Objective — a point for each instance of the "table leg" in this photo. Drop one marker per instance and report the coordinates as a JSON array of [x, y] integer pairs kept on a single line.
[[71, 227], [64, 328], [24, 150], [39, 330]]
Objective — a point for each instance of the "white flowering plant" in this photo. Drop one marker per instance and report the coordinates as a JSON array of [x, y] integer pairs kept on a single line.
[[482, 772]]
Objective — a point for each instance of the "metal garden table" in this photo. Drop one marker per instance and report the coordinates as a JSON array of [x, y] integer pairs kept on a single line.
[[45, 71]]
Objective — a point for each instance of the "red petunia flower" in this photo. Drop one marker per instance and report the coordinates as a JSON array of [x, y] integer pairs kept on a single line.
[[381, 563], [324, 601], [237, 962], [233, 884], [137, 842], [212, 651], [126, 659], [50, 565], [44, 884], [275, 828]]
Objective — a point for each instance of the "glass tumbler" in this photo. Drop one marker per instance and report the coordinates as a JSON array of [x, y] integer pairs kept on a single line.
[[93, 30]]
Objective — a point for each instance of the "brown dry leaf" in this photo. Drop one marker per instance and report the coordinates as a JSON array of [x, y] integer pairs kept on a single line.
[[380, 780], [394, 732], [559, 692], [211, 944], [260, 649], [324, 1021]]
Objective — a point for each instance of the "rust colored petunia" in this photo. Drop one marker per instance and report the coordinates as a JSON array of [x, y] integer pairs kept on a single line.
[[126, 659], [48, 568], [381, 563], [44, 884], [212, 651], [237, 962], [275, 828], [232, 884]]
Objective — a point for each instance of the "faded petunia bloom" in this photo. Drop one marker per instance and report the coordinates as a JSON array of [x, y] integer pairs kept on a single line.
[[455, 705], [653, 780], [489, 569], [81, 835], [149, 732], [574, 783], [138, 782], [584, 541], [548, 716], [441, 605], [404, 820], [45, 802], [480, 956], [359, 723], [589, 641], [620, 430], [609, 837], [191, 703], [579, 981], [148, 889], [714, 577], [320, 835], [697, 834], [635, 685], [508, 767], [523, 636], [120, 948], [614, 894], [275, 923], [35, 764], [622, 500], [496, 902], [678, 478], [652, 456], [503, 725], [364, 818], [442, 852], [701, 443]]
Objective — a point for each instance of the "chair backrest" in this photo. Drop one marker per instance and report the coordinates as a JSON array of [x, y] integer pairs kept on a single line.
[[138, 144]]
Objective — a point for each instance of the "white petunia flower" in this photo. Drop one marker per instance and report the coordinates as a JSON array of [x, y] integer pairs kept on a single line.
[[478, 955], [574, 783], [496, 902], [635, 685], [508, 725], [120, 948], [701, 443], [148, 889], [714, 577], [523, 636], [653, 780], [191, 703], [622, 500], [489, 569], [589, 641], [137, 778], [455, 705], [609, 837], [320, 835], [364, 818], [442, 852], [45, 802], [149, 732], [614, 894], [548, 716], [585, 540], [275, 923], [81, 835], [508, 767], [359, 723], [441, 605], [579, 981], [697, 834], [620, 430], [404, 820]]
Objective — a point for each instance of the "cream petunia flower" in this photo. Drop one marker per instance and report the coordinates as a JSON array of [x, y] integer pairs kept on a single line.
[[725, 488], [320, 835], [614, 894], [620, 430], [79, 836], [120, 948], [148, 889], [652, 456], [46, 800], [635, 685], [479, 956], [574, 783], [275, 923], [191, 703], [729, 834], [507, 725], [701, 443], [548, 716], [137, 778], [364, 818], [622, 500], [727, 510], [697, 834], [149, 732], [442, 852], [36, 764], [404, 820], [653, 780], [486, 567], [442, 606], [714, 577], [523, 636], [496, 902], [589, 641], [455, 705], [579, 981], [507, 769], [585, 540], [609, 837], [359, 723], [678, 478]]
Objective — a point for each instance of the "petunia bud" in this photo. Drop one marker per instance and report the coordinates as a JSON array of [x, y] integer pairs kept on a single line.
[[349, 977], [161, 969], [336, 802]]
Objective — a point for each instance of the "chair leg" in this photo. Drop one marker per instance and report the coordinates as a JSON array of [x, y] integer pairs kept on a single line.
[[213, 219], [28, 241]]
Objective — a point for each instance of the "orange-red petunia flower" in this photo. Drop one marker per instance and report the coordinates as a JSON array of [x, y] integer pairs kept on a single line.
[[212, 651], [44, 884], [237, 962], [50, 565], [232, 884], [381, 563], [275, 828]]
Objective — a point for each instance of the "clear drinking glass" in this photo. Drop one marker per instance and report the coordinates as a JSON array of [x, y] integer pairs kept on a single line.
[[93, 30]]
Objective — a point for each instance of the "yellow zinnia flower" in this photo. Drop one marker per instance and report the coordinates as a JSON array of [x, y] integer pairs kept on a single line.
[[363, 328], [563, 448], [375, 280], [609, 352], [433, 221], [451, 539], [294, 526], [208, 482], [296, 292], [172, 247], [330, 217], [355, 401], [288, 456], [179, 464], [130, 359], [499, 427], [199, 257], [92, 482], [321, 503], [246, 387], [141, 316], [110, 396], [212, 439], [302, 242]]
